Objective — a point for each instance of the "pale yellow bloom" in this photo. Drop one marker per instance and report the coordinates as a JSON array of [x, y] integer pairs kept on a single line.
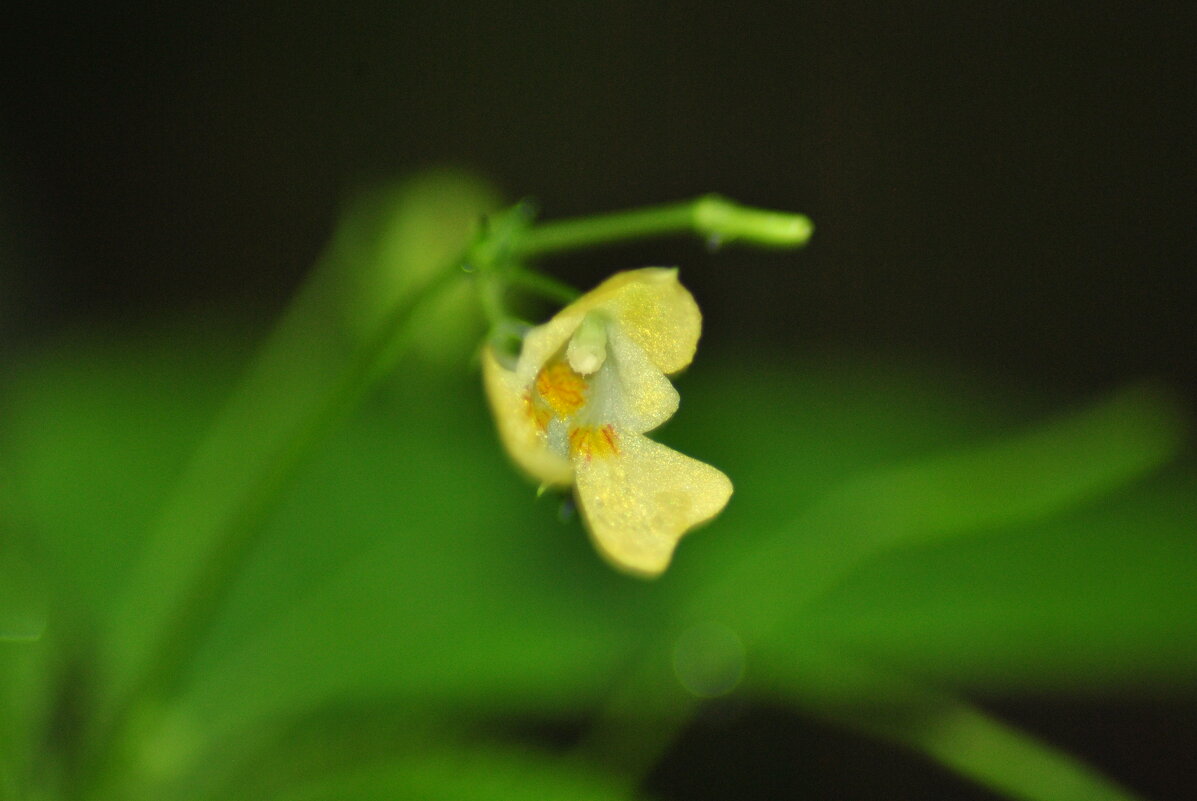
[[574, 408]]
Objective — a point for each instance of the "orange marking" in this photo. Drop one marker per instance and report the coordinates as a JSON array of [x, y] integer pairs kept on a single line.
[[589, 442], [608, 433], [539, 415], [562, 389]]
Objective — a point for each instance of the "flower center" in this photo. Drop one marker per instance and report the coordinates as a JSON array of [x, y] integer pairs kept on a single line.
[[562, 389]]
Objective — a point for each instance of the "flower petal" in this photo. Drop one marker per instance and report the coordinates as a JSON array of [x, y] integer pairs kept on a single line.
[[639, 501], [630, 391], [649, 305], [524, 440], [656, 312]]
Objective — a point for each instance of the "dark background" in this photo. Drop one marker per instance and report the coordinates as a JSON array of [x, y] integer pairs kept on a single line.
[[997, 185], [1003, 188]]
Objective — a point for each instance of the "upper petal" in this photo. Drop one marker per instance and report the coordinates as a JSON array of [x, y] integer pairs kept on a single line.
[[648, 305], [525, 442], [639, 501], [630, 391], [656, 312]]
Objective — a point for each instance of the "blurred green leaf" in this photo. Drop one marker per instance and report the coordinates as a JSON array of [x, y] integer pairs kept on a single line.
[[481, 772], [1027, 475], [789, 430], [943, 728], [409, 565], [28, 680], [95, 432], [22, 591], [1021, 477], [306, 377], [1099, 596]]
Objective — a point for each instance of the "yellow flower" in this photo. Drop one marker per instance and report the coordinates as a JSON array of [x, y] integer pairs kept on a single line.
[[574, 407]]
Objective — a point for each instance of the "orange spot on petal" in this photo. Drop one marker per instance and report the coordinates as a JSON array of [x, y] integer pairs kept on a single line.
[[591, 441], [562, 389], [539, 415]]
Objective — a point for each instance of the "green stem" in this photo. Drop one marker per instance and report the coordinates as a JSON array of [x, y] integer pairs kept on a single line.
[[510, 239], [715, 218], [491, 292], [543, 285]]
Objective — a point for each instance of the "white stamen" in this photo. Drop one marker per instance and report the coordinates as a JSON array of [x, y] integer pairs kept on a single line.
[[588, 346]]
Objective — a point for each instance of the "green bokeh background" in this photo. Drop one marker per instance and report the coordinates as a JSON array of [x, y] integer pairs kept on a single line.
[[957, 422]]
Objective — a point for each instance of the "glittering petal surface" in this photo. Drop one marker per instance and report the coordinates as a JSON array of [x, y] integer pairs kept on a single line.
[[630, 390], [639, 501], [652, 309], [518, 428], [656, 312]]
